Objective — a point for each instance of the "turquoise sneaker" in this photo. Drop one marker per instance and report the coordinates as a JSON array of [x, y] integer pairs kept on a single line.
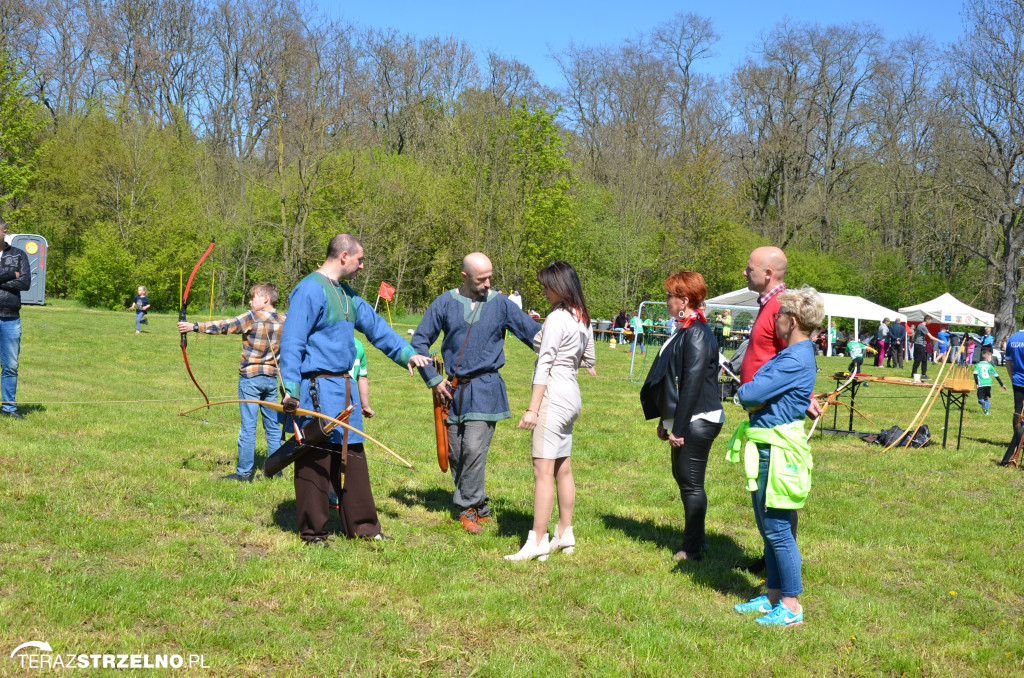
[[759, 605], [781, 616]]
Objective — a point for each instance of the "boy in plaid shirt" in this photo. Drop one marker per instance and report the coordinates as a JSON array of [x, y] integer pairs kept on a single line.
[[261, 329]]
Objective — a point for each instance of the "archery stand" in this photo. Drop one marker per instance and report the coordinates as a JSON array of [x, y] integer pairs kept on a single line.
[[954, 394]]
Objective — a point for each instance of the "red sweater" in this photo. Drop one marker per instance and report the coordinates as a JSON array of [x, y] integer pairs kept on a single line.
[[763, 343]]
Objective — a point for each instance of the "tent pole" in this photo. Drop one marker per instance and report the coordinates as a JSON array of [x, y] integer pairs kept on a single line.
[[828, 331]]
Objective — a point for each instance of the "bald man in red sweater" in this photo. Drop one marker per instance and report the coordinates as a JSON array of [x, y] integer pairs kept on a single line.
[[766, 275]]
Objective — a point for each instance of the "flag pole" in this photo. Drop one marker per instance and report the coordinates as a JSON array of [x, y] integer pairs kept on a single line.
[[388, 306]]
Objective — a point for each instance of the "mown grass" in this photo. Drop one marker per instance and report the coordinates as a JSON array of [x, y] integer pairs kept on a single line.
[[117, 537]]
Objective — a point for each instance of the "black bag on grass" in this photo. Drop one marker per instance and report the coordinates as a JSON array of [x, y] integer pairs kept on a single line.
[[897, 437]]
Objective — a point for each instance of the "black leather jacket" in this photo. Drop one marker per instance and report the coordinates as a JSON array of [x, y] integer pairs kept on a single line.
[[11, 286], [683, 380]]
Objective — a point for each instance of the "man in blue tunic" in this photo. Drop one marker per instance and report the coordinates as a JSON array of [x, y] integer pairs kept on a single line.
[[474, 320], [317, 354]]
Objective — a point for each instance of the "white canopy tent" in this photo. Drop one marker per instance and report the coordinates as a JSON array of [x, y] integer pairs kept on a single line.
[[839, 305], [949, 310]]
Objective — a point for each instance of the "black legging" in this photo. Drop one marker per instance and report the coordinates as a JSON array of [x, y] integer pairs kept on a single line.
[[689, 463], [921, 358]]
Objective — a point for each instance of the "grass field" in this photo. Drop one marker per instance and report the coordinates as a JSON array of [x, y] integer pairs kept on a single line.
[[117, 537]]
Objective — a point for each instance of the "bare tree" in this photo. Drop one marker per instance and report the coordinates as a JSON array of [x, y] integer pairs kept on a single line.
[[987, 87]]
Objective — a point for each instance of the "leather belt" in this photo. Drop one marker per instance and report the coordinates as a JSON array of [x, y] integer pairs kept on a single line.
[[325, 375]]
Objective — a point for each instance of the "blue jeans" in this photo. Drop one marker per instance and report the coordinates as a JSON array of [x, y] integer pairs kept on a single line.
[[781, 554], [10, 347], [140, 320], [256, 388]]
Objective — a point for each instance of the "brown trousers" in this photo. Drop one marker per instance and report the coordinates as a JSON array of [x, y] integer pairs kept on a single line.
[[315, 473]]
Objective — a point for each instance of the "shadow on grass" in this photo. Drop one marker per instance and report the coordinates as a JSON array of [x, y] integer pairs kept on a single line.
[[31, 409], [511, 521], [285, 517], [434, 499], [716, 570], [514, 523]]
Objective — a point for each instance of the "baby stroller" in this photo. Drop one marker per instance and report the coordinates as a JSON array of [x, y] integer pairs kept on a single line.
[[728, 375]]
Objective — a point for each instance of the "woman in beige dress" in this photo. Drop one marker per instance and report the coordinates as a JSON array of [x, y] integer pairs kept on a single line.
[[565, 344]]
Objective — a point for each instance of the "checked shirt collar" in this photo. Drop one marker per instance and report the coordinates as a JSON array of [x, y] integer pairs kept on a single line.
[[773, 292]]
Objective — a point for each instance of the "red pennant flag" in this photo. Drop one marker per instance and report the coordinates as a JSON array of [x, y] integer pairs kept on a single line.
[[386, 291]]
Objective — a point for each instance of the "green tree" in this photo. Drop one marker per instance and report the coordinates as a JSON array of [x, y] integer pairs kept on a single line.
[[21, 120]]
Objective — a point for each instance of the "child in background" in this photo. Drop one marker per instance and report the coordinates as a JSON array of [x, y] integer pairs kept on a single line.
[[363, 386], [943, 337], [983, 373], [362, 380], [638, 332], [856, 349], [141, 305], [260, 328], [972, 345]]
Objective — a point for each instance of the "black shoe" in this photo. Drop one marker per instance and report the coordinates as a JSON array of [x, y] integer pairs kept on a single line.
[[13, 414], [240, 477], [317, 541], [755, 567]]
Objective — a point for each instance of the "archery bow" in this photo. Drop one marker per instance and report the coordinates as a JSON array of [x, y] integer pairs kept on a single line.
[[303, 413], [182, 317]]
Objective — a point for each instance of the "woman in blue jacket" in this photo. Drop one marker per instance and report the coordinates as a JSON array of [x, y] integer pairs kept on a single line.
[[777, 457]]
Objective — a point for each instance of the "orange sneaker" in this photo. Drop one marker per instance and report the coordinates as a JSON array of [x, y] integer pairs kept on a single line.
[[470, 522]]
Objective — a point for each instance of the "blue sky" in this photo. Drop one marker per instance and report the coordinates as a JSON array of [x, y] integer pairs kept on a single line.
[[529, 30]]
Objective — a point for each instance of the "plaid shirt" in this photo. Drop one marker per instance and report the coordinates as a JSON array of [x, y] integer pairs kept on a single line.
[[261, 340], [770, 294]]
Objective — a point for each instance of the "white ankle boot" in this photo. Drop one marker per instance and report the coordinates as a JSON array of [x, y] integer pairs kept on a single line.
[[566, 542], [531, 549]]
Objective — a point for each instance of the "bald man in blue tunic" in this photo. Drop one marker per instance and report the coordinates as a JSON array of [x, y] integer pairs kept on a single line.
[[474, 317]]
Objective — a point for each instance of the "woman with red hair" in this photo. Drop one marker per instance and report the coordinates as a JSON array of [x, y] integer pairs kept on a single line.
[[682, 391]]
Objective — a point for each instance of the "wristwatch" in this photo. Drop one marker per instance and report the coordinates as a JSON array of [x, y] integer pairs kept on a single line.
[[195, 327]]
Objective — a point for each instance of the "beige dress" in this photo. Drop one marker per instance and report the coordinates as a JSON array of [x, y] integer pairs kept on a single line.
[[563, 346]]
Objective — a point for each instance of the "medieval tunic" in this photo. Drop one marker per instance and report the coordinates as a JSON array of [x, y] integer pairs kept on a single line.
[[480, 395], [318, 338], [563, 346], [318, 341], [480, 399]]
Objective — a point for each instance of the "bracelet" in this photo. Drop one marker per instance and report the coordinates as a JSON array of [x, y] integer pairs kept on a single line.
[[534, 411]]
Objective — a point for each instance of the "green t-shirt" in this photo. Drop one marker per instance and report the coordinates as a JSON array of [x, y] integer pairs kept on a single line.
[[726, 325], [637, 324], [984, 372], [855, 349], [359, 366]]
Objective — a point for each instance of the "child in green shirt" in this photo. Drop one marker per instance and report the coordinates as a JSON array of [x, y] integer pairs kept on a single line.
[[855, 348], [983, 373]]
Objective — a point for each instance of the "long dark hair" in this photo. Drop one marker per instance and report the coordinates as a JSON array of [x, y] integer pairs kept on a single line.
[[560, 277]]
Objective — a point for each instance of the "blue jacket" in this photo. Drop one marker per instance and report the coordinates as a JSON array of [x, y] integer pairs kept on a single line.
[[318, 336], [783, 386], [481, 394]]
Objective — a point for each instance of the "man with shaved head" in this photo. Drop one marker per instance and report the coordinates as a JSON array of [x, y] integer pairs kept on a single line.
[[474, 319], [766, 275], [318, 352]]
